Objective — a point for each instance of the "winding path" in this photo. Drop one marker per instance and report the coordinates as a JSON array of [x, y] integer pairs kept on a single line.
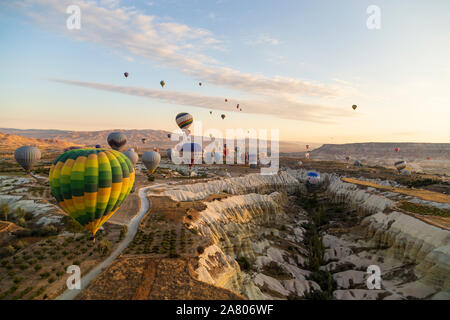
[[133, 226]]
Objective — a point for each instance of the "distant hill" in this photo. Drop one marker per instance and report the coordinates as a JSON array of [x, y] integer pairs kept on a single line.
[[12, 141], [154, 138], [379, 150]]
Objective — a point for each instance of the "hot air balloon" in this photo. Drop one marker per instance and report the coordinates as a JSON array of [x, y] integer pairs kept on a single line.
[[151, 160], [240, 109], [313, 178], [222, 116], [237, 107], [91, 184], [253, 160], [117, 140], [405, 172], [307, 155], [162, 83], [200, 84], [184, 120], [397, 149], [126, 74], [210, 112], [143, 140], [195, 150], [132, 155], [400, 165], [307, 146], [357, 163], [26, 156], [98, 146], [226, 100], [354, 106]]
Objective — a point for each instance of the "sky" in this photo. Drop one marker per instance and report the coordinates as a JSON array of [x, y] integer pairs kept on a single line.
[[297, 66]]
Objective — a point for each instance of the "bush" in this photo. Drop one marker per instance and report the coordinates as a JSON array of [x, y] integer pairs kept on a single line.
[[243, 263], [104, 247], [71, 225], [5, 210], [19, 245], [123, 231]]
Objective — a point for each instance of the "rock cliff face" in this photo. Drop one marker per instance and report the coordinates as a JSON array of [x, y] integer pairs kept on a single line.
[[256, 241]]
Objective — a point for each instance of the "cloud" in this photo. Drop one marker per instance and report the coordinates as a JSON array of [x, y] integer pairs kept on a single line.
[[132, 33], [263, 39], [166, 42], [286, 107]]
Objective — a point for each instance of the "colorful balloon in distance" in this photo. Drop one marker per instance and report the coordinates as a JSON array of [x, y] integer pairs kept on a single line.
[[354, 106], [307, 146], [162, 83], [357, 163], [200, 84], [226, 100], [405, 172], [184, 120], [151, 160], [400, 165], [396, 149], [27, 156], [313, 177], [91, 184], [237, 107], [307, 155], [126, 74], [222, 116], [210, 112], [117, 140], [132, 155]]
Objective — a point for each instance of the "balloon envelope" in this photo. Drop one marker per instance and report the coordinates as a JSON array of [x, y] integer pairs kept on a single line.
[[91, 184], [132, 155], [27, 156], [117, 140], [313, 177], [400, 165], [184, 120], [162, 83], [151, 160], [354, 106]]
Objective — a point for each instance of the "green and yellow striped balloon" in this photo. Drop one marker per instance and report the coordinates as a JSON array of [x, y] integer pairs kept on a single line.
[[91, 184]]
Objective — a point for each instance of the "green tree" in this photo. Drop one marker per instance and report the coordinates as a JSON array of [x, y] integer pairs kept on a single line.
[[123, 231], [5, 210]]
